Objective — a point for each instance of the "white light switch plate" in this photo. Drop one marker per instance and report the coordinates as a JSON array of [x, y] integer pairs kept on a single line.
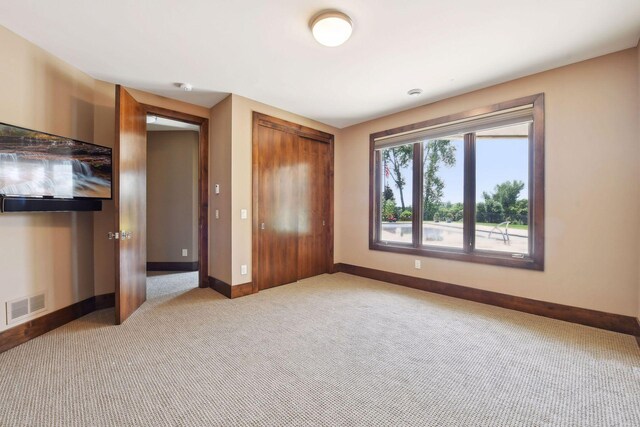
[[243, 269], [185, 252], [243, 214]]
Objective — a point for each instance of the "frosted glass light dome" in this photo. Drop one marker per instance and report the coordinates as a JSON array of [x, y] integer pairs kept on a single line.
[[331, 28]]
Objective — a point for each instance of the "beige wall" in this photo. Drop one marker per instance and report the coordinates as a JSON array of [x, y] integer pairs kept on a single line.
[[172, 196], [45, 251], [638, 162], [592, 198], [104, 221], [220, 173], [241, 173]]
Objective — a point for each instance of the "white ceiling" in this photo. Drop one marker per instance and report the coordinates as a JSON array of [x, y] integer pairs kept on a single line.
[[264, 50]]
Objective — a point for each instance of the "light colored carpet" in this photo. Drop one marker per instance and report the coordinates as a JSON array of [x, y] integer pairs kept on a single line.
[[328, 351]]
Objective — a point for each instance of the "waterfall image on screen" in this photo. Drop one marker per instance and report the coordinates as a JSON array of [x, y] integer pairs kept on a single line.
[[35, 164]]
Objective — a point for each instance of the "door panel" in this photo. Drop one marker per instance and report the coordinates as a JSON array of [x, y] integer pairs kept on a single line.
[[130, 196], [313, 205], [277, 201]]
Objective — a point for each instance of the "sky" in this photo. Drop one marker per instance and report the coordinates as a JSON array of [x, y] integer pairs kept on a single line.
[[497, 160]]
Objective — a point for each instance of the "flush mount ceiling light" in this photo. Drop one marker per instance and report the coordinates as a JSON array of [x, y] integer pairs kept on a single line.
[[331, 28], [415, 92]]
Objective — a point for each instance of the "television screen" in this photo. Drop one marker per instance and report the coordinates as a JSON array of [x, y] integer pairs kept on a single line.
[[36, 164]]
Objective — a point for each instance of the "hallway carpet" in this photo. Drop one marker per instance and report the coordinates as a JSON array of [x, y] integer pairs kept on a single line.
[[334, 350]]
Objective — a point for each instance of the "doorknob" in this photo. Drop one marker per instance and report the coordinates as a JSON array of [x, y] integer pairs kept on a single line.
[[111, 235]]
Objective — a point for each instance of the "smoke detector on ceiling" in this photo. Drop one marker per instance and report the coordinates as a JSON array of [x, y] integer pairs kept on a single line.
[[186, 87]]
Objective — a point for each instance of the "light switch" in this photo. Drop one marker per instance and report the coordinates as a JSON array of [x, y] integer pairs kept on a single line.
[[185, 252], [243, 214], [217, 188], [243, 269], [217, 214]]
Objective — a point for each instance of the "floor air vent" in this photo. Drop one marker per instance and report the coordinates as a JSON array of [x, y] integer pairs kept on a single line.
[[24, 307]]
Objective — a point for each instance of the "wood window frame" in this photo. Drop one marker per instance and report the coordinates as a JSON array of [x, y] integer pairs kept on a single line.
[[535, 259]]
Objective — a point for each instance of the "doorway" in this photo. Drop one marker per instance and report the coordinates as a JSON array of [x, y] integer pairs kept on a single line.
[[172, 204], [130, 158], [188, 122]]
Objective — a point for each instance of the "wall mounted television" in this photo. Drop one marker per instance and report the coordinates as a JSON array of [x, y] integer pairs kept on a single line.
[[40, 165]]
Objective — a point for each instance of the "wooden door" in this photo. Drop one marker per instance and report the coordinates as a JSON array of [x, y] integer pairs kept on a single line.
[[130, 196], [277, 217], [313, 207]]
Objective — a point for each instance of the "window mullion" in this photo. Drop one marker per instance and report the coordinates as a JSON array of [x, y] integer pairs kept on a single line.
[[417, 195], [469, 227], [377, 214]]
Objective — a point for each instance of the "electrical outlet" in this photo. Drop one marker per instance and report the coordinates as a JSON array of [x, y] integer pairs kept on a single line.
[[185, 252], [243, 269], [418, 264], [217, 214]]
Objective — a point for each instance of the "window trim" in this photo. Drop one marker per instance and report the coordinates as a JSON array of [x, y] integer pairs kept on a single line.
[[535, 259]]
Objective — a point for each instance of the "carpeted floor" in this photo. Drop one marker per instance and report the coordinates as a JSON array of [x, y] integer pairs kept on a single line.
[[328, 351]]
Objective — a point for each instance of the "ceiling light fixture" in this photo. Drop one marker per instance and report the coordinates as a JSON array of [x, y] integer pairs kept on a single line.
[[415, 92], [331, 28]]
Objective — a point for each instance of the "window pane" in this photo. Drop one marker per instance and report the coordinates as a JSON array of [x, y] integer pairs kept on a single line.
[[396, 198], [502, 193], [443, 168]]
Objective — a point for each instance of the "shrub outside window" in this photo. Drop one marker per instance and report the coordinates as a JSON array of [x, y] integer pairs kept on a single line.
[[469, 186]]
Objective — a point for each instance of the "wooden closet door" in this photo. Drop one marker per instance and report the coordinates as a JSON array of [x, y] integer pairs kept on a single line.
[[277, 207], [313, 207]]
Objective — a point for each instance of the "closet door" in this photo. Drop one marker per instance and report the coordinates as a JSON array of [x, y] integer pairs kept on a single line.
[[313, 207], [277, 207]]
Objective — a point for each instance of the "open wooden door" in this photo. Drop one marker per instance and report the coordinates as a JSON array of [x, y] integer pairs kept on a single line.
[[130, 195]]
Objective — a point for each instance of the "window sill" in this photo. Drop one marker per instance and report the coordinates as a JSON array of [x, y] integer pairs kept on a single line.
[[480, 257]]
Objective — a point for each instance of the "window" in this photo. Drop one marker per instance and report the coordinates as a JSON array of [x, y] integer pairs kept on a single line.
[[468, 187]]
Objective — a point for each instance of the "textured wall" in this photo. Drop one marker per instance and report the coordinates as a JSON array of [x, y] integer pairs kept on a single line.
[[220, 173]]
